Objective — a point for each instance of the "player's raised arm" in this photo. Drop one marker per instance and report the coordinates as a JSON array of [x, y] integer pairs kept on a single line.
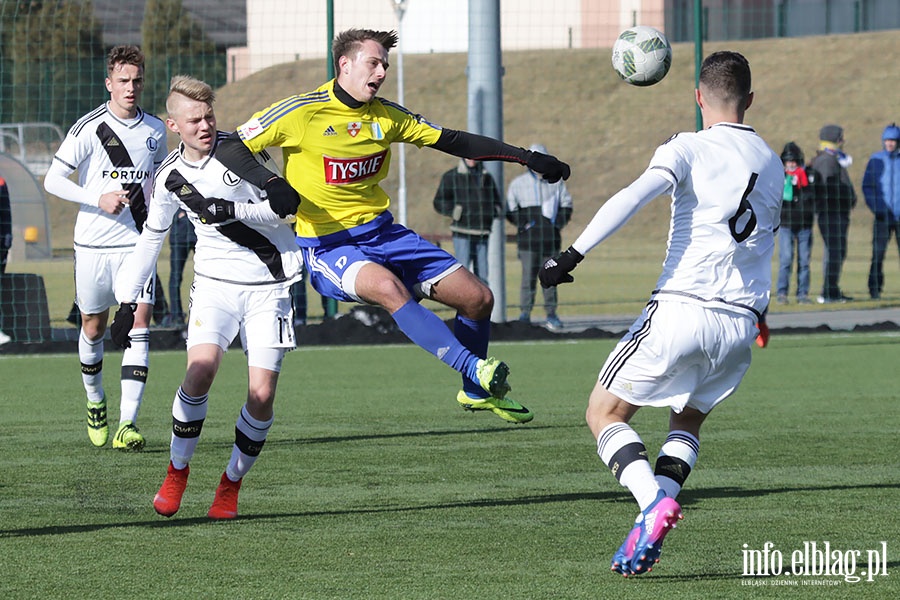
[[479, 147]]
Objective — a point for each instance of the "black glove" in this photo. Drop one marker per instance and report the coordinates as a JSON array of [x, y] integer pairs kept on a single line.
[[283, 198], [217, 211], [550, 167], [556, 270], [122, 324]]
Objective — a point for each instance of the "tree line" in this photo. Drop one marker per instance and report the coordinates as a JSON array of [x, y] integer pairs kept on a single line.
[[53, 58]]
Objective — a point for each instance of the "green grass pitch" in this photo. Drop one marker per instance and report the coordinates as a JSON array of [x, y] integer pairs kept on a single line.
[[375, 484]]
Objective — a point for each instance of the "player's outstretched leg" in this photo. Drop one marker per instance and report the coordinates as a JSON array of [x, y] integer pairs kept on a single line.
[[168, 499], [429, 332], [658, 519]]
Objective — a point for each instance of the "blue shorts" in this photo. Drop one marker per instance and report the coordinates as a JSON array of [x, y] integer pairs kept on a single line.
[[416, 262]]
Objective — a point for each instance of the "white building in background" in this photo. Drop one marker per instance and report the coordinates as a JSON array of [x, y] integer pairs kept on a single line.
[[280, 31]]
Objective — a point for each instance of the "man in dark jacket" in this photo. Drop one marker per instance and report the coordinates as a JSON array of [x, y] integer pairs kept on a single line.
[[469, 195], [881, 189], [835, 198]]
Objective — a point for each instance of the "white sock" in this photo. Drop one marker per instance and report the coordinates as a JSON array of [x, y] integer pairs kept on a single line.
[[677, 457], [188, 414], [622, 450], [135, 364], [249, 437], [91, 356]]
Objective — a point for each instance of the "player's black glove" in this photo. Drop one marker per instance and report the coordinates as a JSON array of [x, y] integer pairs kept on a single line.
[[283, 198], [217, 211], [122, 324], [549, 166], [556, 270]]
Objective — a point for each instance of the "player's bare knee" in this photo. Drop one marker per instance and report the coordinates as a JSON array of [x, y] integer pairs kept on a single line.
[[387, 292], [199, 377], [478, 303], [260, 401]]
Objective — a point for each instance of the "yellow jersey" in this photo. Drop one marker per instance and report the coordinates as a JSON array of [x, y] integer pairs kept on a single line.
[[335, 156]]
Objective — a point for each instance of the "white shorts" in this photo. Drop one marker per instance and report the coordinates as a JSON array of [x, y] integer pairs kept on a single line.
[[95, 276], [678, 354], [263, 317]]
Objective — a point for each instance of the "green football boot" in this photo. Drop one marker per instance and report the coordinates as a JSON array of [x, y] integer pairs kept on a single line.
[[98, 428], [505, 408], [128, 438], [492, 374]]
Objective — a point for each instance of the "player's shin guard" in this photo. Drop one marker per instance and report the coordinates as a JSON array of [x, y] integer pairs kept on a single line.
[[427, 331], [474, 336], [135, 365], [677, 457], [249, 438], [188, 414], [90, 353], [622, 450]]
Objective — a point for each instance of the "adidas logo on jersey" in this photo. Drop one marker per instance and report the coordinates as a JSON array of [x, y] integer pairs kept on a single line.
[[330, 131]]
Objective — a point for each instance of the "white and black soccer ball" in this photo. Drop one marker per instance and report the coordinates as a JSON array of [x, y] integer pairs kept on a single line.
[[642, 55]]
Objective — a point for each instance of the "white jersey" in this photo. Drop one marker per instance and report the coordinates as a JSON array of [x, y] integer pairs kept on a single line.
[[110, 154], [255, 254], [726, 206]]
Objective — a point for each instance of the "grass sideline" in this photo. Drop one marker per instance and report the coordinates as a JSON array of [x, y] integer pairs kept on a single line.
[[374, 484]]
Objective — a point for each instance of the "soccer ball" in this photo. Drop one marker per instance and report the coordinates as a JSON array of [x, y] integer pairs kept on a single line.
[[642, 55]]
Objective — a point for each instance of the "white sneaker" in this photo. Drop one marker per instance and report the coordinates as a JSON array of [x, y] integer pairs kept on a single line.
[[4, 339]]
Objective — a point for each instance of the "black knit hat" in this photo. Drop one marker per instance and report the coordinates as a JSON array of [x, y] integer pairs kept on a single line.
[[792, 152], [832, 133]]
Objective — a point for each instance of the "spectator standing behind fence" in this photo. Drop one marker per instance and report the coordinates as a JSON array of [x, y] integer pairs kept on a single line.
[[881, 189], [182, 241], [834, 199], [468, 194], [116, 148], [539, 210], [797, 215]]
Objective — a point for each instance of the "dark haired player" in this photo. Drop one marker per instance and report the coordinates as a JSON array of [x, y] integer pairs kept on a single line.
[[690, 348], [336, 143], [115, 148]]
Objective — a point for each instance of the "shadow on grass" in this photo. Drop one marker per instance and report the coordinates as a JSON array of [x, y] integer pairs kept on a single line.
[[330, 439], [336, 439], [162, 522], [688, 497], [616, 496]]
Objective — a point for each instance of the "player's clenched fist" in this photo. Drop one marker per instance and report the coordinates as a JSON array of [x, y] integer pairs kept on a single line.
[[556, 270]]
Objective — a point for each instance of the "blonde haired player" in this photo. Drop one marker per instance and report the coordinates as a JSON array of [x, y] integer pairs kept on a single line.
[[690, 348], [242, 277]]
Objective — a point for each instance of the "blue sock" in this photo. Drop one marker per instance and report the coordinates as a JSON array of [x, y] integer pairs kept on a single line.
[[475, 336], [427, 331]]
